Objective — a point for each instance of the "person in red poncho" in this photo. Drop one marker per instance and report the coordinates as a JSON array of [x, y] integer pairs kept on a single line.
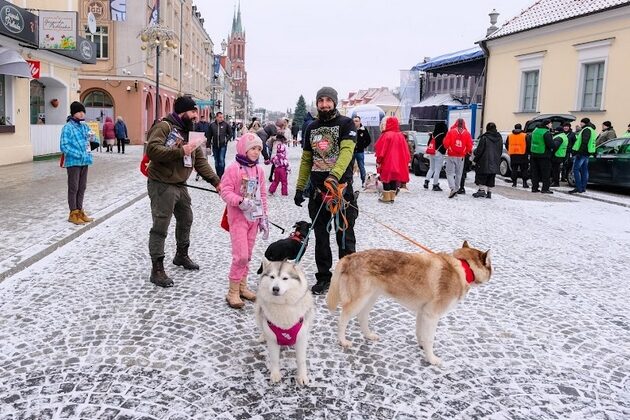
[[392, 158]]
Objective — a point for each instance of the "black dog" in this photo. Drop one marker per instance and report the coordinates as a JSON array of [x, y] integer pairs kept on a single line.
[[287, 249]]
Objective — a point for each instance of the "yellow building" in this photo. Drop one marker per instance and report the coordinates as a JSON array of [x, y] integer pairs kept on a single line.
[[34, 103], [560, 57]]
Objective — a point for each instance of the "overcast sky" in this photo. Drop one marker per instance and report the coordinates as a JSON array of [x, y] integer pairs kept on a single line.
[[294, 47]]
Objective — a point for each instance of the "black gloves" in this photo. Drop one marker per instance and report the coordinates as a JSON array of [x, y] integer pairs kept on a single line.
[[299, 198]]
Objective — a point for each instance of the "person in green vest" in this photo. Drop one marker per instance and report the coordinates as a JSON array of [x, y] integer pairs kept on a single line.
[[560, 145], [627, 133], [583, 148], [541, 151]]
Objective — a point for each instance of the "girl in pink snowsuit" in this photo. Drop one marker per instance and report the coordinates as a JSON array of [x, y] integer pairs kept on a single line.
[[243, 190], [280, 161]]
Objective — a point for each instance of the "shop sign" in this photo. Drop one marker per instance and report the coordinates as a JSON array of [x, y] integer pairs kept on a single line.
[[35, 67], [18, 23]]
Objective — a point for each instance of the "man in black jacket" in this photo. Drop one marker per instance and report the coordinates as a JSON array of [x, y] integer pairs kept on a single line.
[[363, 141], [218, 135]]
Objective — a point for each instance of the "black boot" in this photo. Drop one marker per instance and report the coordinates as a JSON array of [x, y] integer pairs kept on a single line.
[[479, 194], [489, 194], [525, 184], [158, 275], [514, 183], [462, 190], [321, 286], [436, 187], [182, 259], [426, 184]]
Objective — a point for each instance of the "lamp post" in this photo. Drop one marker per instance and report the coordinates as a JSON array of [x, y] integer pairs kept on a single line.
[[157, 36]]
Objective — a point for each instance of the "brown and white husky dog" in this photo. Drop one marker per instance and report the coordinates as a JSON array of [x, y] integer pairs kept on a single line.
[[428, 284]]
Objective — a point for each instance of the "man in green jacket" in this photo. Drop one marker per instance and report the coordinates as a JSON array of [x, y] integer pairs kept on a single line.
[[328, 158], [172, 160]]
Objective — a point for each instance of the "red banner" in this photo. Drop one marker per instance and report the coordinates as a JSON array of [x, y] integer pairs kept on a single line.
[[35, 66]]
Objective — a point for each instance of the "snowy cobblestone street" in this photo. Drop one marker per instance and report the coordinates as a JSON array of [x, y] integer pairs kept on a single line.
[[83, 334]]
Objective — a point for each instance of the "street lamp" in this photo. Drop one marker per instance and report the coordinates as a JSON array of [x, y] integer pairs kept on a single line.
[[157, 36]]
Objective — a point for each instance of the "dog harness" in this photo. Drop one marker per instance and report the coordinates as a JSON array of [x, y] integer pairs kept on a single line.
[[296, 236], [286, 337], [470, 276]]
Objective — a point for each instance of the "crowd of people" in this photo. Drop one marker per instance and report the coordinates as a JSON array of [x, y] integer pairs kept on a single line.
[[331, 144]]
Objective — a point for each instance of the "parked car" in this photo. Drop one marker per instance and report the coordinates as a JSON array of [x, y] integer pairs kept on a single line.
[[505, 166], [610, 165], [419, 160]]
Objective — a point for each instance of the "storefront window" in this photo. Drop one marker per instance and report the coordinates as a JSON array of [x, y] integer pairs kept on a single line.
[[37, 103], [98, 99]]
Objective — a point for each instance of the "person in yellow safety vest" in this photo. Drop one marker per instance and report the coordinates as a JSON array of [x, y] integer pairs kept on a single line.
[[627, 133], [518, 149], [541, 149], [561, 144], [584, 147]]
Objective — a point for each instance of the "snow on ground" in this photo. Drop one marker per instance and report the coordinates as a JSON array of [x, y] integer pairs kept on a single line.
[[83, 334]]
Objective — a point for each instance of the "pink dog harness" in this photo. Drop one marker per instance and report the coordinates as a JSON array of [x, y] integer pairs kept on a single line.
[[286, 337]]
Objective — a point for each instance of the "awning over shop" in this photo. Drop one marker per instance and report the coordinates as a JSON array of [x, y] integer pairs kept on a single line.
[[465, 62], [12, 63]]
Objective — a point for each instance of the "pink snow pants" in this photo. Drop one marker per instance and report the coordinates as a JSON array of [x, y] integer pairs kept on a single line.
[[243, 238], [279, 176]]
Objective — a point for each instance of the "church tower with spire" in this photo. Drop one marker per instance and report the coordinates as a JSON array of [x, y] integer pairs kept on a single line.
[[236, 54]]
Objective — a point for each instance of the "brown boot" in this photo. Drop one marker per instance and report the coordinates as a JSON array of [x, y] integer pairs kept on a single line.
[[158, 275], [84, 216], [233, 297], [245, 292], [75, 218]]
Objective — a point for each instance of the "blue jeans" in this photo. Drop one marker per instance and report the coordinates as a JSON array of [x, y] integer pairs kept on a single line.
[[360, 158], [219, 160], [580, 172]]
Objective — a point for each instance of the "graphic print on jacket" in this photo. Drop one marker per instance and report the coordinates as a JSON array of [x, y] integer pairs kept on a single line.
[[325, 145]]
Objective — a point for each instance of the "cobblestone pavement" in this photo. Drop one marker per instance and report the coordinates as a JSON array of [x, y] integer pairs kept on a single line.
[[35, 205], [83, 334]]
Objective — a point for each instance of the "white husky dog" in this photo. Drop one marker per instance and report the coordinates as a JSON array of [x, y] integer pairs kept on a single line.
[[284, 313]]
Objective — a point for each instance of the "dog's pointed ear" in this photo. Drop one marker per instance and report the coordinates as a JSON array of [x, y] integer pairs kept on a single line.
[[465, 245], [265, 263], [485, 257]]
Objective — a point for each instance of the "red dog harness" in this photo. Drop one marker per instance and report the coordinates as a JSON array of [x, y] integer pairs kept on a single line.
[[286, 337], [470, 276], [296, 236]]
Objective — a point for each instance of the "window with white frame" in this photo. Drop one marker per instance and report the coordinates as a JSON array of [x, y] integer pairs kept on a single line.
[[529, 91], [531, 70], [593, 86], [591, 80], [101, 39]]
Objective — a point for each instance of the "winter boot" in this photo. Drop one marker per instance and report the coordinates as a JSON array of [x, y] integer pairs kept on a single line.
[[244, 291], [525, 184], [75, 217], [436, 187], [233, 297], [489, 194], [426, 184], [158, 275], [321, 286], [514, 183], [182, 259], [387, 197], [461, 191], [479, 194], [84, 216]]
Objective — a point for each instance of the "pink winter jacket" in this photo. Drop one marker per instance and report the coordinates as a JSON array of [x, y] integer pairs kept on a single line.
[[231, 189]]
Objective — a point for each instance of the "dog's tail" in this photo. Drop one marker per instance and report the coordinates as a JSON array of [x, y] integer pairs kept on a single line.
[[333, 296]]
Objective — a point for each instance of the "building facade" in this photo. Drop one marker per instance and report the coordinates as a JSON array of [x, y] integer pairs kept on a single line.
[[236, 55], [34, 103], [123, 82], [382, 97], [560, 57]]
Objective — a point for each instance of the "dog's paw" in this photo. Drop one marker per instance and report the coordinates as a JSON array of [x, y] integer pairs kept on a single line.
[[345, 343], [372, 336], [302, 379], [261, 338], [275, 377], [434, 360]]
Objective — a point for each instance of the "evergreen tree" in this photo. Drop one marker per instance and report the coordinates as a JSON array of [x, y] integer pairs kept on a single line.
[[300, 111]]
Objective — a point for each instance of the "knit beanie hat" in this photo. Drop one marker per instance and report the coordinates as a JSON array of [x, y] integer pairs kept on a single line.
[[246, 142], [329, 92], [75, 107], [586, 121], [183, 104]]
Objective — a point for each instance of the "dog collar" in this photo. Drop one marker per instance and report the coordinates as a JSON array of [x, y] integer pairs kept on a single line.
[[286, 337], [296, 236], [470, 276]]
